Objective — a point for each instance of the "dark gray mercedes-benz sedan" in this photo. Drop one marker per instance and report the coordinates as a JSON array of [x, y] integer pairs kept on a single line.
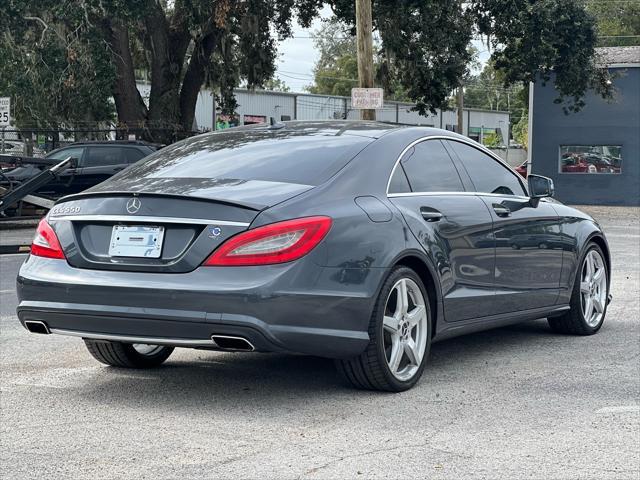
[[358, 241]]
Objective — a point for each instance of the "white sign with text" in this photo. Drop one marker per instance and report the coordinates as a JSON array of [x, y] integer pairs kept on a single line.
[[5, 111], [369, 98]]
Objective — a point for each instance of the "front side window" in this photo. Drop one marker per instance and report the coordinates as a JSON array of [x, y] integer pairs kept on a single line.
[[487, 174], [590, 159], [429, 168], [75, 152]]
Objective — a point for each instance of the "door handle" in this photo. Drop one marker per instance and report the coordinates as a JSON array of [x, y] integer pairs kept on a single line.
[[430, 215], [501, 210]]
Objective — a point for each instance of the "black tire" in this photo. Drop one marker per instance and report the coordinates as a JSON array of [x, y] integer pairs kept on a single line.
[[124, 355], [573, 321], [370, 370]]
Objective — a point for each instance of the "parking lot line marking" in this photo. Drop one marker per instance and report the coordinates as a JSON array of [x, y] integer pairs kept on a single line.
[[620, 409], [6, 291]]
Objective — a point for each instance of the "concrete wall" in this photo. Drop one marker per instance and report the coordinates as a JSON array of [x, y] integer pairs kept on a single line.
[[513, 156], [598, 123]]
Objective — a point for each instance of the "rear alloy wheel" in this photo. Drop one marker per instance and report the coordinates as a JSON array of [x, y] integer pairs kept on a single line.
[[589, 297], [126, 355], [400, 337]]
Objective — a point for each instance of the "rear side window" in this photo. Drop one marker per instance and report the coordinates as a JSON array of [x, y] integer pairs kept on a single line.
[[487, 174], [100, 156], [280, 156], [429, 168], [399, 182], [132, 155]]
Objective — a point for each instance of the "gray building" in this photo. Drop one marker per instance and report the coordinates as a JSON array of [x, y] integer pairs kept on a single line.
[[593, 156]]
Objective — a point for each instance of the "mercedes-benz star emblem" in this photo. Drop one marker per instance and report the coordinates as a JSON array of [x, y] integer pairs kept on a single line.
[[134, 205]]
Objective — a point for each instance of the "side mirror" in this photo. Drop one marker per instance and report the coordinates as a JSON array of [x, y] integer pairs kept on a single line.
[[539, 187]]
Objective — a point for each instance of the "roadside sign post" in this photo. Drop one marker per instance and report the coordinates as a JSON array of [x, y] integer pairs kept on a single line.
[[5, 116], [367, 98]]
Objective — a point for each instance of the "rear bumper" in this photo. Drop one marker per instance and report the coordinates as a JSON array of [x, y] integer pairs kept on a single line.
[[298, 307]]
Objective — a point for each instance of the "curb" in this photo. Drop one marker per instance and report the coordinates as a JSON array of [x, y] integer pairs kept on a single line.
[[8, 249]]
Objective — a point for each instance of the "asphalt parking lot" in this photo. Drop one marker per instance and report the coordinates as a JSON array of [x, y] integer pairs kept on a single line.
[[518, 402]]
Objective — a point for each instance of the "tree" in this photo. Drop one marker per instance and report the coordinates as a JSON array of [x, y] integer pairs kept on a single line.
[[276, 85], [182, 44], [486, 90], [521, 131], [618, 22], [189, 43], [336, 70], [424, 45], [54, 66]]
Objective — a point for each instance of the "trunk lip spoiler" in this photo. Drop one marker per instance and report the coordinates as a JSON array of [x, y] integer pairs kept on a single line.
[[82, 195], [145, 219]]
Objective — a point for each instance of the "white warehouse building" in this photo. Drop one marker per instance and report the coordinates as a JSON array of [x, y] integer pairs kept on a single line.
[[259, 105]]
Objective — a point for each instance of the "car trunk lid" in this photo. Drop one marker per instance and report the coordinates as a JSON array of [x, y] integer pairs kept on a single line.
[[185, 228]]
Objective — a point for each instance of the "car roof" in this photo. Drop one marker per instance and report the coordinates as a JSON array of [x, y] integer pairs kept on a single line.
[[113, 142], [361, 128]]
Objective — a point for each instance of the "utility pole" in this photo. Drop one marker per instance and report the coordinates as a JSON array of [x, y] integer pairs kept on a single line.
[[460, 103], [364, 30]]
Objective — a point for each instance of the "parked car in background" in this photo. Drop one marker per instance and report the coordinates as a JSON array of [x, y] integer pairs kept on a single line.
[[522, 169], [18, 147], [601, 164], [96, 162], [574, 164]]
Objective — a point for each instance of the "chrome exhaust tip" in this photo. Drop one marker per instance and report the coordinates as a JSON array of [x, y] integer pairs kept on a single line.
[[36, 326], [236, 344]]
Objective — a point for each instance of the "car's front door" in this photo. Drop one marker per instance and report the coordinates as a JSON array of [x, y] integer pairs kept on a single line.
[[452, 225], [528, 239], [63, 181]]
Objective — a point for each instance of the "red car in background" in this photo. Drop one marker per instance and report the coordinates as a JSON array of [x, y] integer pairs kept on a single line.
[[572, 163], [522, 169]]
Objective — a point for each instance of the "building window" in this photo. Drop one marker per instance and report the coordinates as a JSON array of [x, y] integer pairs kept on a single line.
[[590, 159]]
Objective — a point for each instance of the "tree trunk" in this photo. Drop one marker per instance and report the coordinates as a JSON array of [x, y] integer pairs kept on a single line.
[[194, 78], [132, 112], [168, 45]]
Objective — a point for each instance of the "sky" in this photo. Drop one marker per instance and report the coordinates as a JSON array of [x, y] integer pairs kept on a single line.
[[297, 55]]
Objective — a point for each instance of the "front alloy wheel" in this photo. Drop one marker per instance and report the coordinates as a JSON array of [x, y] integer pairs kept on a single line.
[[399, 337], [593, 288], [588, 304]]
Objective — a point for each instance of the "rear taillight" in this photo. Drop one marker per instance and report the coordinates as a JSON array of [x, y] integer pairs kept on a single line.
[[45, 243], [275, 243]]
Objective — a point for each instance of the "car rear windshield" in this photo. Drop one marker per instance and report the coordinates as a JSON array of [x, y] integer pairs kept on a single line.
[[278, 156]]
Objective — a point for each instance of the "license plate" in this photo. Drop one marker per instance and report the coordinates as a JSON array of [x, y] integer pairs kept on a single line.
[[136, 241]]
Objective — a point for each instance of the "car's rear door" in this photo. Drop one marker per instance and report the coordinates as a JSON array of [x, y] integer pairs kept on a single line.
[[528, 240], [453, 225]]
